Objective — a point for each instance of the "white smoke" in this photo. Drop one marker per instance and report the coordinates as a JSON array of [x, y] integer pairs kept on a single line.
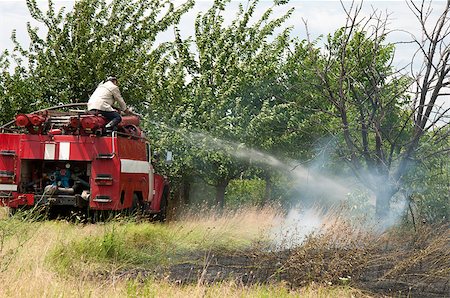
[[298, 224], [312, 185]]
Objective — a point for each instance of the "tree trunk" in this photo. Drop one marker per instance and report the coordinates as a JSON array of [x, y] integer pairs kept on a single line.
[[383, 201], [220, 194], [186, 190], [268, 190], [180, 198]]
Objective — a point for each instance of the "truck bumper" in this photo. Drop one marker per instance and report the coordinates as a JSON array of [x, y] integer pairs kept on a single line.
[[17, 200]]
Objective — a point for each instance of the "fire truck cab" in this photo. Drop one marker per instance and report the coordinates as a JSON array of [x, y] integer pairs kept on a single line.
[[63, 158]]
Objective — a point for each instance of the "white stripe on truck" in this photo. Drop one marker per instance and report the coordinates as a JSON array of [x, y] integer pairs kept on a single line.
[[64, 151], [50, 150], [8, 187], [134, 166]]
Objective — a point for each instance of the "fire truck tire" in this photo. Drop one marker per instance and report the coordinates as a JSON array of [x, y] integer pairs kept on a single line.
[[163, 206], [12, 211], [136, 206]]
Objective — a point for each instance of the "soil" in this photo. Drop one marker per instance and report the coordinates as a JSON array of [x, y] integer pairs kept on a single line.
[[247, 268], [396, 265]]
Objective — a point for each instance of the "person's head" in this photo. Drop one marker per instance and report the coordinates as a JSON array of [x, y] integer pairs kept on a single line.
[[113, 79]]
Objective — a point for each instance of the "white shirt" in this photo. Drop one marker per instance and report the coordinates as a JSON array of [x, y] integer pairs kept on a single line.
[[104, 97]]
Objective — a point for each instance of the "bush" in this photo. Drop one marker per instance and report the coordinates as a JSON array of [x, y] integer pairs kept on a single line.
[[245, 192]]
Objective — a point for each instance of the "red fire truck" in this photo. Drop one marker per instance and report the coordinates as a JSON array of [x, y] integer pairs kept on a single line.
[[62, 158]]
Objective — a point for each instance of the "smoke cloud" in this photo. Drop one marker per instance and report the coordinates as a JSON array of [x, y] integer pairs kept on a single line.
[[317, 191]]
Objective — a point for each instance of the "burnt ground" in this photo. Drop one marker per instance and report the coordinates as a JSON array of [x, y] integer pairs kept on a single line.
[[263, 268], [397, 264], [247, 268]]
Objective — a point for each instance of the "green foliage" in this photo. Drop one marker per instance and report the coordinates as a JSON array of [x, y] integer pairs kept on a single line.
[[367, 94], [358, 206], [292, 121], [241, 192], [82, 47], [232, 73], [368, 102], [428, 183]]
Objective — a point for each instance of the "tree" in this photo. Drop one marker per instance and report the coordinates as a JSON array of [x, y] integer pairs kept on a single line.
[[383, 125], [230, 69], [288, 125], [82, 47], [429, 184]]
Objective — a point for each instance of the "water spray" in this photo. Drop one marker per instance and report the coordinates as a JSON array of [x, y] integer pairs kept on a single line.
[[322, 191]]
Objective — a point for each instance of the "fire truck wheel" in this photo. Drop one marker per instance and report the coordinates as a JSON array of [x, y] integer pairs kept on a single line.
[[12, 211], [136, 206], [163, 206]]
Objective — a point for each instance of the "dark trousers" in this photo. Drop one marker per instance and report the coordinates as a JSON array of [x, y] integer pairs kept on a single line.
[[113, 117]]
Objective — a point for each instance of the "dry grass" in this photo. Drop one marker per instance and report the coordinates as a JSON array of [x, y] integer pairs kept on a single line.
[[3, 213], [326, 265], [29, 274], [124, 246], [422, 257], [244, 226], [232, 289], [401, 260], [330, 255]]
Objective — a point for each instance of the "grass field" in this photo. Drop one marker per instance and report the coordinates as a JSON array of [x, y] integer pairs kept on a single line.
[[124, 258]]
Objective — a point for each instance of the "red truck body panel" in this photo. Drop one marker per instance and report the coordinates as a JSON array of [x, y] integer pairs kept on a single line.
[[76, 167]]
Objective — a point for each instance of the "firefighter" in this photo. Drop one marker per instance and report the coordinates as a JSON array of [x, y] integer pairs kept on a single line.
[[65, 176], [102, 100], [62, 176]]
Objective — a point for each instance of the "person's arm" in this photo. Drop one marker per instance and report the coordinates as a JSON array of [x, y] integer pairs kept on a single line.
[[118, 97]]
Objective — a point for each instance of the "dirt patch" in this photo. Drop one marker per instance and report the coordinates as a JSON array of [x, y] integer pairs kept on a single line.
[[247, 268], [393, 265], [414, 264], [243, 267]]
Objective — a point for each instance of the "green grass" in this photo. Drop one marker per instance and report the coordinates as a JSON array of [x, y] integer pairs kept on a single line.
[[62, 259], [143, 245]]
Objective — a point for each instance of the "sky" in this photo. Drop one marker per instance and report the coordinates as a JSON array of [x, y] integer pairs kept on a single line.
[[322, 17]]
